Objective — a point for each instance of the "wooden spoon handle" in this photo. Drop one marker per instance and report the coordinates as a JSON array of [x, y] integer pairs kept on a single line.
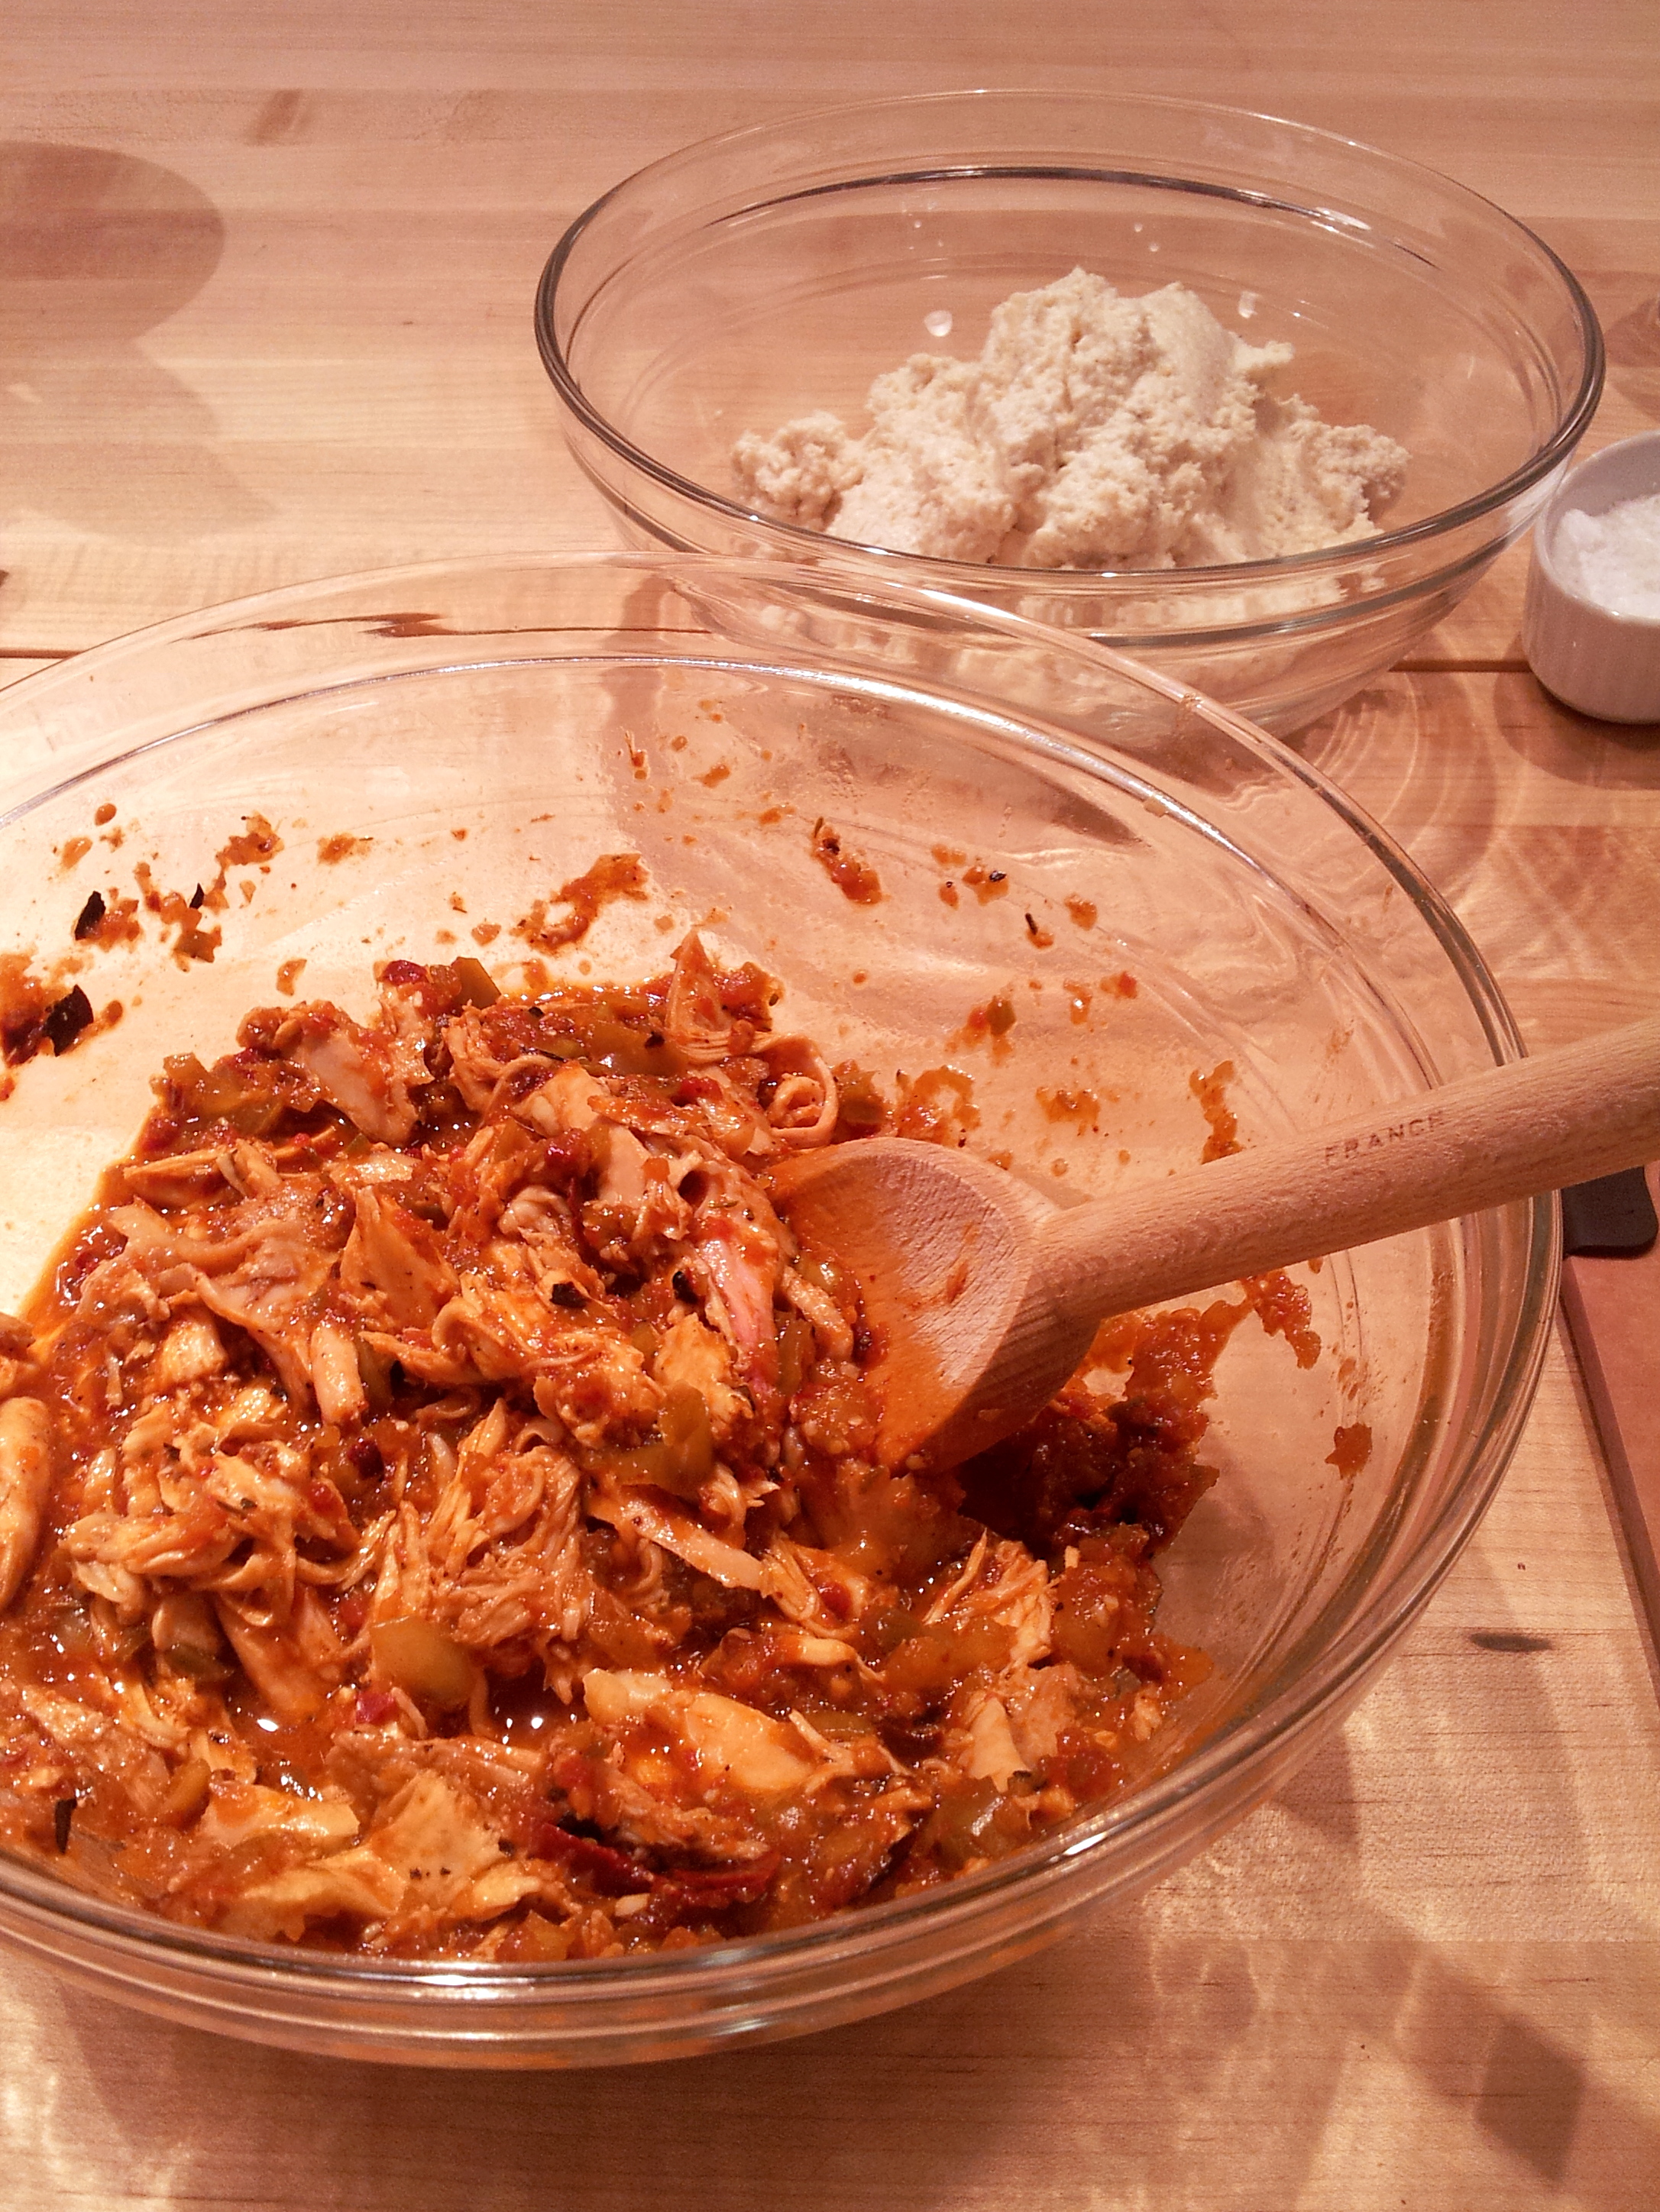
[[1508, 1133]]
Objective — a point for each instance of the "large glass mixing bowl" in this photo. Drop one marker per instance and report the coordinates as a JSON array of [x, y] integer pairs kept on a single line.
[[706, 714]]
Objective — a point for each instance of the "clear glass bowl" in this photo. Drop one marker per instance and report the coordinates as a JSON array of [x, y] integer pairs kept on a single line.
[[757, 277], [705, 713]]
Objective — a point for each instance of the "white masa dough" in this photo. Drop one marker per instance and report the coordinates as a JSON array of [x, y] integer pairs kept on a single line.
[[1094, 431]]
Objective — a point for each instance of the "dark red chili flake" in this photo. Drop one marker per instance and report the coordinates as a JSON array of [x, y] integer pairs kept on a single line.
[[611, 1872], [197, 898], [61, 1813], [374, 1707], [729, 1885], [21, 1038], [712, 1887], [66, 1018], [403, 971], [366, 1457], [90, 915]]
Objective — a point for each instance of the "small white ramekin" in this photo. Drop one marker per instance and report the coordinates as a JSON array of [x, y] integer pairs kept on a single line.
[[1592, 659]]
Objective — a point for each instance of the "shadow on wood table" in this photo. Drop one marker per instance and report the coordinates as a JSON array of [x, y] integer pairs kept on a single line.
[[97, 248]]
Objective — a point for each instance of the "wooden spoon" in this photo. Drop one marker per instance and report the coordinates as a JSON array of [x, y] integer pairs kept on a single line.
[[984, 1297]]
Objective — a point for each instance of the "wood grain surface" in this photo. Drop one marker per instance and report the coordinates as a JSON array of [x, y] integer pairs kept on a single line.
[[264, 288]]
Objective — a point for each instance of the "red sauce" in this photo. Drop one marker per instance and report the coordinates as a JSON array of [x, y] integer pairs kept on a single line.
[[613, 875], [987, 884], [853, 878], [1211, 1092], [1080, 1107], [1351, 1450]]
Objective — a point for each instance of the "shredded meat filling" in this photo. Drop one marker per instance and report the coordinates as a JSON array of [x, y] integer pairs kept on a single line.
[[438, 1514]]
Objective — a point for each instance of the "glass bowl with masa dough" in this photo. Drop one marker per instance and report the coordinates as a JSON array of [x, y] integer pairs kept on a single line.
[[1017, 893], [763, 276]]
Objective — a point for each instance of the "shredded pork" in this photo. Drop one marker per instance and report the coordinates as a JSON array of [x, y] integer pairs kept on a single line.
[[438, 1514]]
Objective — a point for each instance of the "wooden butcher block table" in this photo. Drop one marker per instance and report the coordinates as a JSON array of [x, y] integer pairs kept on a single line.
[[288, 252]]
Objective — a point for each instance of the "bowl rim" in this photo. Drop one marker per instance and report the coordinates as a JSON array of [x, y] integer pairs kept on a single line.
[[1571, 426], [1284, 1715]]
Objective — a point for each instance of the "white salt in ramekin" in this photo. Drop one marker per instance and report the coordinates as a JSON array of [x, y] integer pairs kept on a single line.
[[1599, 662]]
